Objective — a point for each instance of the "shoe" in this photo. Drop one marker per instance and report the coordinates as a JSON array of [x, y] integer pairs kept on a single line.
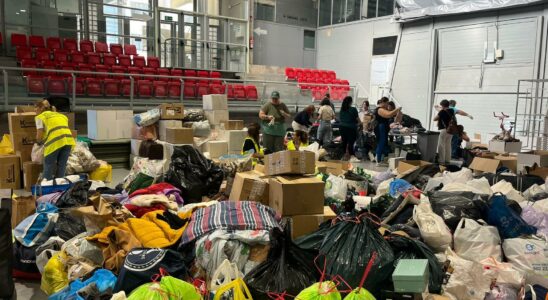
[[354, 159], [372, 157]]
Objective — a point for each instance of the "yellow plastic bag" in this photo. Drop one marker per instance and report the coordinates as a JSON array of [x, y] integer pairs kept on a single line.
[[55, 276], [103, 173], [239, 290], [6, 147]]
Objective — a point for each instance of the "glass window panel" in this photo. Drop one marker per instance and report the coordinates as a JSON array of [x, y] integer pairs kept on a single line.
[[353, 10], [264, 12], [169, 17], [384, 45], [338, 11], [371, 8], [237, 32], [325, 12], [386, 8], [187, 5], [309, 39]]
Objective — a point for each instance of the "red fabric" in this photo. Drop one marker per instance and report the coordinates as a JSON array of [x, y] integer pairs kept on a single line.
[[154, 189], [139, 211], [25, 275]]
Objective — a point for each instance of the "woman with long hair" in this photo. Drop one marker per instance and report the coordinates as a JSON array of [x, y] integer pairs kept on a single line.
[[300, 139], [325, 115], [383, 114], [349, 127], [444, 118]]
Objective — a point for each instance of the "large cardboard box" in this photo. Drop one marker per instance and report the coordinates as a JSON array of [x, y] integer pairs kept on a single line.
[[31, 172], [217, 149], [305, 224], [406, 165], [124, 128], [22, 143], [164, 124], [290, 162], [233, 124], [183, 136], [10, 172], [215, 102], [334, 167], [235, 139], [216, 117], [481, 164], [296, 195], [22, 207], [110, 124], [539, 157], [25, 108], [538, 171], [22, 123], [250, 186], [504, 147], [509, 161], [172, 111]]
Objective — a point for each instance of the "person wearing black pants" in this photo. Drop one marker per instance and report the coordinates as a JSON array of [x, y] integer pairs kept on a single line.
[[349, 127]]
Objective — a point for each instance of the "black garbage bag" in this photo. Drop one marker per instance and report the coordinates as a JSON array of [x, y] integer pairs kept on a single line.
[[7, 286], [335, 151], [406, 248], [288, 268], [413, 232], [348, 245], [193, 174], [453, 206], [75, 196], [381, 205], [417, 176], [314, 240], [68, 226], [194, 115], [520, 182]]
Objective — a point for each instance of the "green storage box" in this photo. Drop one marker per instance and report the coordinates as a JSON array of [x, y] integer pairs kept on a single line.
[[411, 276]]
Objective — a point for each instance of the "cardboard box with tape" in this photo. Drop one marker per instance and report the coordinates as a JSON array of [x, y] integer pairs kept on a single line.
[[22, 207], [290, 162], [233, 124], [31, 172], [250, 186], [172, 111], [538, 157], [305, 224], [183, 136], [504, 147], [296, 195], [217, 149], [215, 102], [407, 165], [163, 125], [491, 165], [334, 167], [10, 172]]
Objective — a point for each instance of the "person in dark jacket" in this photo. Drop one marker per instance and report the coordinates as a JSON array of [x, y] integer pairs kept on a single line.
[[382, 119], [302, 119]]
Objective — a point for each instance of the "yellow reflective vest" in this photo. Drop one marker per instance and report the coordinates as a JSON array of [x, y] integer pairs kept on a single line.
[[56, 131], [258, 149], [291, 145]]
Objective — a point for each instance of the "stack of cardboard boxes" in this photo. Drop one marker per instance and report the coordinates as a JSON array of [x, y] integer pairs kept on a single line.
[[216, 111], [287, 184], [109, 124]]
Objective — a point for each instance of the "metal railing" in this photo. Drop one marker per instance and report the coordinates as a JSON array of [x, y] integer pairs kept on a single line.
[[261, 85]]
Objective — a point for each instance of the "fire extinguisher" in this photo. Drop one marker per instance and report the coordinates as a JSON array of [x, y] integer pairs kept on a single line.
[[251, 42]]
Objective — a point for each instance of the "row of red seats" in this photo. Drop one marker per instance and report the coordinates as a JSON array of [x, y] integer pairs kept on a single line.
[[305, 84], [309, 74], [144, 88], [86, 46], [337, 94]]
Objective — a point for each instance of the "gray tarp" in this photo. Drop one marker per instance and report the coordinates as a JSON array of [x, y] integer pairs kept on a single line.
[[410, 10]]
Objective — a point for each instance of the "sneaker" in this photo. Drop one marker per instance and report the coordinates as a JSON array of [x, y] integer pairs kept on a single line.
[[371, 157]]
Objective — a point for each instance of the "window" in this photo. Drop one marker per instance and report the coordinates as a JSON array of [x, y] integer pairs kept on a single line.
[[264, 12], [310, 39], [379, 8], [338, 11], [325, 12], [384, 45], [353, 10]]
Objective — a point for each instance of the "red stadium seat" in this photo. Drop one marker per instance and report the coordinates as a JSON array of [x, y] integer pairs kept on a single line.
[[176, 72], [57, 86], [101, 47], [109, 59], [202, 89], [18, 40], [60, 55], [331, 75], [29, 63], [71, 45], [190, 73], [145, 88], [239, 92], [93, 87], [316, 75], [130, 49], [346, 84], [149, 71], [299, 73], [163, 72], [50, 65], [126, 87], [118, 70], [307, 73], [189, 90], [202, 73], [85, 68], [174, 89], [116, 49], [42, 54], [215, 88], [215, 74], [53, 43], [36, 41], [124, 60], [290, 74], [251, 92], [101, 69], [86, 46], [22, 53], [160, 89], [66, 66], [135, 70], [230, 92], [112, 87], [323, 74], [139, 61], [93, 58], [77, 57], [35, 85], [80, 83], [153, 62]]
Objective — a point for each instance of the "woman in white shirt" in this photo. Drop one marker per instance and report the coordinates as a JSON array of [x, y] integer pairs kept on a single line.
[[325, 116]]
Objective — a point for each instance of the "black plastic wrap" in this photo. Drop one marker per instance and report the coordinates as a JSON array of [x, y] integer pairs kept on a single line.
[[520, 182], [453, 206], [75, 196], [193, 174], [288, 268], [68, 226]]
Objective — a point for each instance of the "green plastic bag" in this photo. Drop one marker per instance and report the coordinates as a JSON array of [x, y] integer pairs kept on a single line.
[[326, 290], [169, 288], [140, 182], [360, 294]]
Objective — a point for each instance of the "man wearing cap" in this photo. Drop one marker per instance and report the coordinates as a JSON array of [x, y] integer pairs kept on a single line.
[[273, 115]]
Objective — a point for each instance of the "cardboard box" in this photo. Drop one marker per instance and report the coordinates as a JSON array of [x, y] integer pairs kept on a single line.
[[292, 196], [480, 164], [215, 102], [217, 148], [31, 172], [22, 144], [530, 158], [290, 162], [171, 111], [509, 161], [110, 124], [22, 123], [541, 172], [259, 168], [183, 136], [393, 162], [235, 139], [250, 186], [22, 207], [406, 165], [10, 172], [504, 147], [305, 224], [334, 167], [216, 117], [25, 108], [233, 124], [164, 124]]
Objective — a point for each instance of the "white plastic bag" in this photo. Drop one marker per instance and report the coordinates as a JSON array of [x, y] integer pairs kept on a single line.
[[474, 241], [314, 147], [527, 254], [37, 153], [462, 176], [533, 190], [432, 228], [508, 190], [225, 273], [467, 281], [504, 273], [536, 218], [335, 187], [147, 118]]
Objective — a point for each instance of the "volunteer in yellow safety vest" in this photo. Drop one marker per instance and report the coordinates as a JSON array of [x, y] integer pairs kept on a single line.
[[300, 140], [251, 142], [54, 133]]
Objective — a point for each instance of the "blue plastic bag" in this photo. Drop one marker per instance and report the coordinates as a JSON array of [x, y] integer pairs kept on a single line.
[[103, 279], [507, 221], [398, 187], [36, 229]]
